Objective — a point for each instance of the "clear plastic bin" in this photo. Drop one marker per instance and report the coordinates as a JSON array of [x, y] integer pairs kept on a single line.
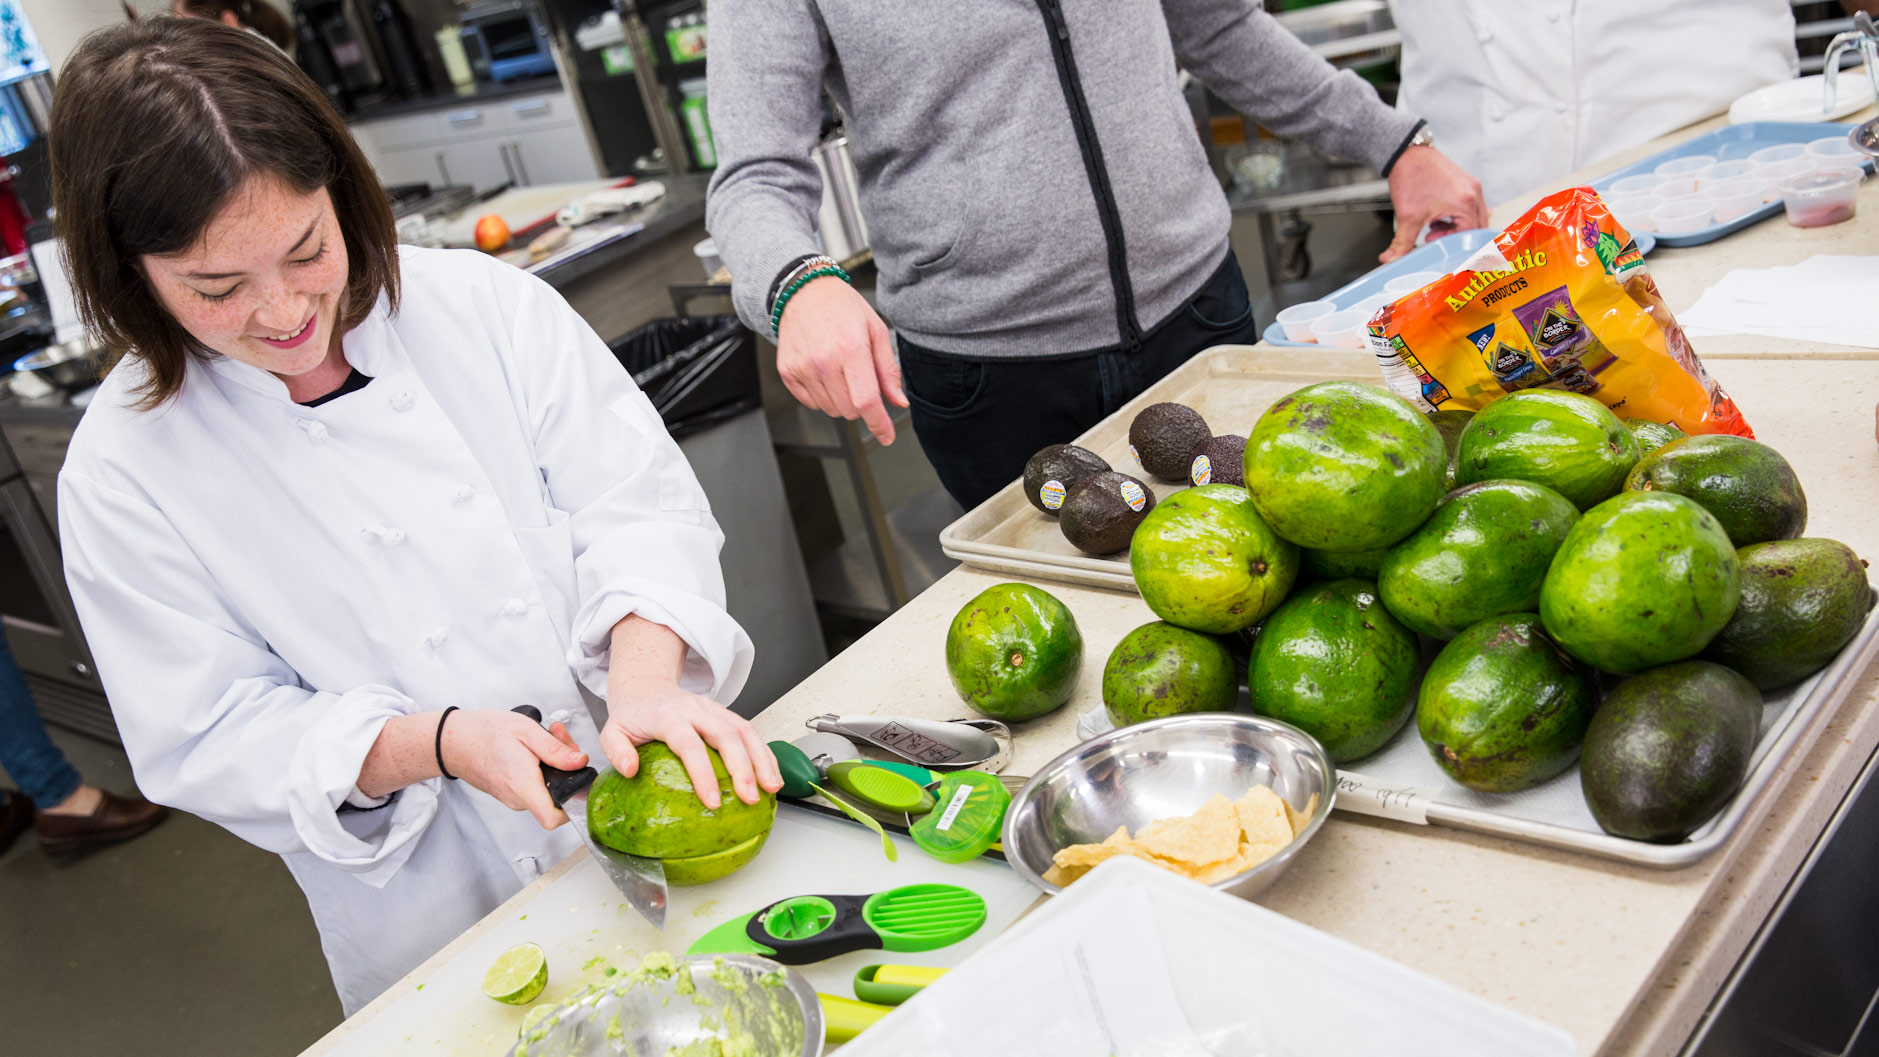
[[1822, 197]]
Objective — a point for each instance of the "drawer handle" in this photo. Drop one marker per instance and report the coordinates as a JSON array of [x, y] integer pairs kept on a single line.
[[533, 106], [464, 117]]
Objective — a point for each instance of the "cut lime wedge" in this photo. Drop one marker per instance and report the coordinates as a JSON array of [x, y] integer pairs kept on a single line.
[[518, 976]]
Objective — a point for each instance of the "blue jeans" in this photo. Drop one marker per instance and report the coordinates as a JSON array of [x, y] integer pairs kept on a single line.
[[26, 751]]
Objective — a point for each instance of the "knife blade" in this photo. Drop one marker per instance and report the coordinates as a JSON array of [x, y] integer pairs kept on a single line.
[[640, 879]]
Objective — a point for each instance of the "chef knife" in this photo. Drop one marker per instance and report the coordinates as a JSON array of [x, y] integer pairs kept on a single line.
[[640, 879]]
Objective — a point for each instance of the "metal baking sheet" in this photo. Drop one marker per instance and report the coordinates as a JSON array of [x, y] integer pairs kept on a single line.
[[1730, 143], [1443, 255]]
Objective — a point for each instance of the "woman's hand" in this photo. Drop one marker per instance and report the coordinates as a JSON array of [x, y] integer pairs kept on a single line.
[[835, 355], [645, 703], [501, 753]]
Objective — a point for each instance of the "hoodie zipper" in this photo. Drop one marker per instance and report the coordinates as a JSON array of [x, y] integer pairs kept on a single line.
[[1128, 328]]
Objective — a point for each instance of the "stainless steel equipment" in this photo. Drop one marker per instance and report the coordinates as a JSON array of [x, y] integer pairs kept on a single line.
[[1162, 769], [839, 221], [35, 611], [1864, 37], [69, 367]]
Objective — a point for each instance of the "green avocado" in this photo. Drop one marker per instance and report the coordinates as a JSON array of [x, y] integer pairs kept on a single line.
[[1483, 552], [1163, 438], [1014, 652], [1102, 511], [1204, 559], [1747, 484], [1502, 708], [1802, 600], [1652, 435], [1349, 565], [1644, 578], [657, 814], [1668, 748], [1450, 425], [1342, 466], [1163, 670], [1334, 663], [1570, 443]]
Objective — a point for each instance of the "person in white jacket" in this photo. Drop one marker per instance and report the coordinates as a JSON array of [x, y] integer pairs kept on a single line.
[[1521, 94], [341, 505]]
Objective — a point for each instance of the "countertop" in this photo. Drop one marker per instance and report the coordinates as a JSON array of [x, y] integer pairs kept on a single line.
[[481, 92], [1625, 958], [682, 207]]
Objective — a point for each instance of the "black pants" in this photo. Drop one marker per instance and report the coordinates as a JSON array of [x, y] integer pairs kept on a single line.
[[980, 418]]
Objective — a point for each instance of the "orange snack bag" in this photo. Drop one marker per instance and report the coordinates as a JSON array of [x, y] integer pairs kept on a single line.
[[1560, 300]]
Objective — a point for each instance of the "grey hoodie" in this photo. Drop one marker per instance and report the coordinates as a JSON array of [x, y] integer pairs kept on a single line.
[[1030, 174]]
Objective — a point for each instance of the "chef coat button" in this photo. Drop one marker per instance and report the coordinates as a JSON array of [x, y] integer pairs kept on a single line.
[[436, 637], [515, 609], [386, 534], [1497, 111], [463, 494], [315, 431], [1560, 107], [402, 402]]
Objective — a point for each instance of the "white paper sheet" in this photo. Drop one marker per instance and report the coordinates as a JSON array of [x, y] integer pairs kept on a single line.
[[1826, 298]]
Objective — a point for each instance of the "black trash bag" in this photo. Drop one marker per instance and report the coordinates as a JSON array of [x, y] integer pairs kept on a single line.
[[696, 370]]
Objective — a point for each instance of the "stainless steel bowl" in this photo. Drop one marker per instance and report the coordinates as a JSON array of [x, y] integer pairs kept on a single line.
[[69, 367], [1161, 769], [652, 1018]]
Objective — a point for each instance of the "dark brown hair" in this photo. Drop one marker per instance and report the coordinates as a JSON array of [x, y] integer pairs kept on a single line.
[[156, 124], [259, 15]]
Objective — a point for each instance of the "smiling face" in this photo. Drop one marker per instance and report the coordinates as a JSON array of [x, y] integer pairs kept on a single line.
[[264, 282]]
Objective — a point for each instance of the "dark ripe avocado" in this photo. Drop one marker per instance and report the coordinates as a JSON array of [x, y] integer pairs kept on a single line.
[[1163, 438], [1051, 473], [1668, 748], [1450, 424], [1652, 435], [1747, 484], [1502, 708], [1101, 513], [1801, 601], [1219, 460]]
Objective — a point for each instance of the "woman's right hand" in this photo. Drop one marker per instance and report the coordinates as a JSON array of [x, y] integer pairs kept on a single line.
[[835, 355], [501, 753]]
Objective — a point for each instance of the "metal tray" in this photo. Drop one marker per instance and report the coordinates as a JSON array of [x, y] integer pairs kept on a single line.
[[1730, 143], [1443, 255]]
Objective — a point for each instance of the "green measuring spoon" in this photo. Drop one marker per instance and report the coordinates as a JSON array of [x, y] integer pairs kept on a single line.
[[803, 929]]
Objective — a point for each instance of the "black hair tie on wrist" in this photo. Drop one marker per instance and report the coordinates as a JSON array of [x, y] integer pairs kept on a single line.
[[441, 769]]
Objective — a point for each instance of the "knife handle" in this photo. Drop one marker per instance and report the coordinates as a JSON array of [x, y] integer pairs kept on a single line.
[[561, 784]]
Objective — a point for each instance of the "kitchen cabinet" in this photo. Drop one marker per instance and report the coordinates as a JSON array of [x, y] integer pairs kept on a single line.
[[524, 140]]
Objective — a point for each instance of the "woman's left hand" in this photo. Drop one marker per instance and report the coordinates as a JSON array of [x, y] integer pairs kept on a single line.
[[687, 723]]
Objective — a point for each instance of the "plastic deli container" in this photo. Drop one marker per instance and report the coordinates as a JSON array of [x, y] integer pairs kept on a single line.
[[1684, 168], [1634, 211], [1731, 199], [1724, 171], [1833, 152], [1681, 216], [1773, 173], [1645, 183], [1410, 282], [1780, 153], [1821, 197], [1296, 321], [1345, 330], [1369, 305]]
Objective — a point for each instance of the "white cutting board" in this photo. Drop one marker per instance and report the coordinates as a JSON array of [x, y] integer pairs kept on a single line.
[[518, 207], [585, 925]]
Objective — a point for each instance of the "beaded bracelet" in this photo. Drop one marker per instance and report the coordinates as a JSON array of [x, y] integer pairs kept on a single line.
[[797, 267], [800, 281]]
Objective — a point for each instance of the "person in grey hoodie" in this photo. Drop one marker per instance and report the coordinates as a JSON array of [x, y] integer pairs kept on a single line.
[[1049, 237]]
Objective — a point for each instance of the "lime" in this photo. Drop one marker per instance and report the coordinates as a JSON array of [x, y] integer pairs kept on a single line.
[[518, 976]]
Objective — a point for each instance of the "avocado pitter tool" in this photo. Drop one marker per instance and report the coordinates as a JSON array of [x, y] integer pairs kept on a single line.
[[803, 929], [951, 745]]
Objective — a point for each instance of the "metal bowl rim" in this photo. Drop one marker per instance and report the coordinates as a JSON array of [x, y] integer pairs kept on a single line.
[[1062, 760]]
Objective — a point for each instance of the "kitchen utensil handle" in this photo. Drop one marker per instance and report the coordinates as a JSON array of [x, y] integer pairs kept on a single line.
[[561, 784], [849, 931]]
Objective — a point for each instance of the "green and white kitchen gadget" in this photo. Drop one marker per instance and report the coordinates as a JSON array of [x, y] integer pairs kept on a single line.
[[803, 929]]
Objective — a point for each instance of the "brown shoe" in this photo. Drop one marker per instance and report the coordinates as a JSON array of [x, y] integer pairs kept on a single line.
[[16, 817], [116, 818]]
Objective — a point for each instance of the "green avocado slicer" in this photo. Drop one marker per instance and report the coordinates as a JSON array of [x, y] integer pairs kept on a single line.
[[811, 928]]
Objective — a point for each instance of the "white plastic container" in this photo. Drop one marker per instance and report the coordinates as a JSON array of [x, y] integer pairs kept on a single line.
[[1685, 168], [1724, 171], [1731, 199], [1773, 173], [1681, 216], [1644, 183], [1781, 153], [1822, 197], [1634, 211], [707, 253], [1296, 321], [1410, 282], [1369, 305], [1833, 152], [1344, 330]]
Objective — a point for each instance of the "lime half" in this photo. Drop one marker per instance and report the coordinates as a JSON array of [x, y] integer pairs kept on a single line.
[[533, 1019], [518, 976]]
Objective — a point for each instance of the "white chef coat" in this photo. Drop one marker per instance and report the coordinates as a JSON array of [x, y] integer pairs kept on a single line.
[[1522, 92], [264, 584]]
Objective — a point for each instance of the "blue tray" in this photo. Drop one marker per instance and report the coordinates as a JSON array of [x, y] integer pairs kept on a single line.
[[1730, 143], [1443, 255]]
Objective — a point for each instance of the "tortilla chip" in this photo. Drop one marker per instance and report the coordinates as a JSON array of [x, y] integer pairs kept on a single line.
[[1299, 819], [1063, 877], [1223, 839], [1201, 839], [1262, 817]]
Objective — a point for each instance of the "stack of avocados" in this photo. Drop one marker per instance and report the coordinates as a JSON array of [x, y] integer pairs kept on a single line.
[[1591, 589]]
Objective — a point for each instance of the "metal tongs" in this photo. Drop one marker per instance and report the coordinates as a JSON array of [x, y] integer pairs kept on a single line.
[[1863, 36]]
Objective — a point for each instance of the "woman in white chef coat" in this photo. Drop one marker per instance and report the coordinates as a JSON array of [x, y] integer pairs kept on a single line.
[[334, 488]]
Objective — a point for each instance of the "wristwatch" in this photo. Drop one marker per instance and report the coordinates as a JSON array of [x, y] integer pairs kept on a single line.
[[1424, 137]]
